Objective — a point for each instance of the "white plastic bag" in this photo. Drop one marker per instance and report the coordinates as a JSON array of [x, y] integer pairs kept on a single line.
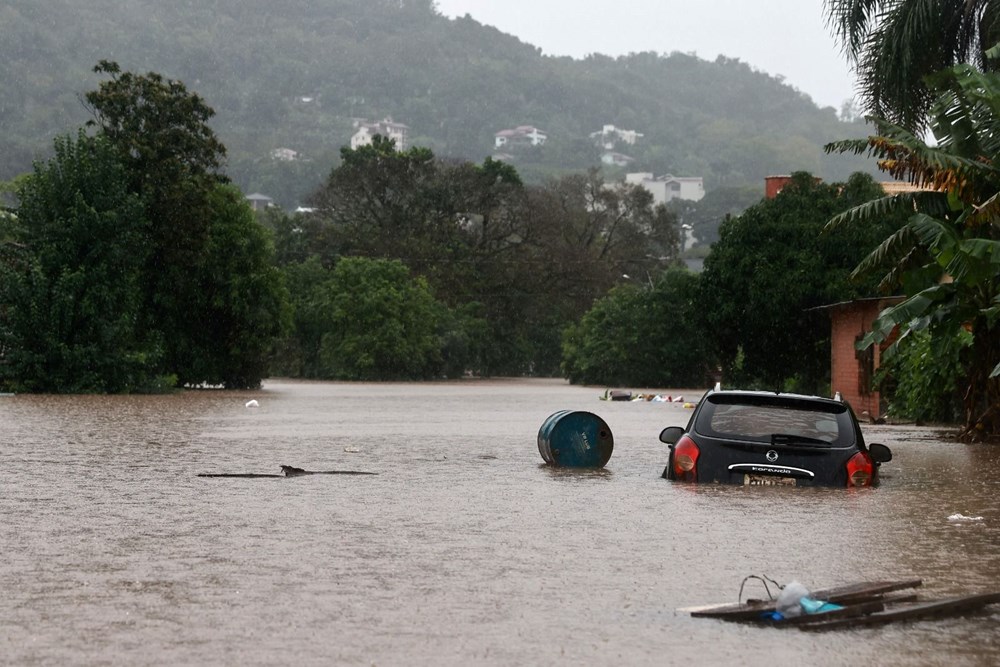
[[789, 604]]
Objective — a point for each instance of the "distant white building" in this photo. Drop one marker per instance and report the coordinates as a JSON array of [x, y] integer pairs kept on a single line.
[[365, 132], [669, 187], [284, 155], [609, 134], [522, 135], [259, 202], [616, 159]]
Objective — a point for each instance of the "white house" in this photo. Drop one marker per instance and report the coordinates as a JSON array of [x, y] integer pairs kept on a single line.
[[259, 202], [669, 187], [284, 155], [522, 135], [609, 134], [365, 132], [616, 159]]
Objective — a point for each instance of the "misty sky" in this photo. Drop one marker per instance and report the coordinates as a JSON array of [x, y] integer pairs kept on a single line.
[[781, 37]]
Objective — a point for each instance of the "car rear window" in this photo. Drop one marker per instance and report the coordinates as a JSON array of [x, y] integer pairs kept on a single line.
[[763, 417]]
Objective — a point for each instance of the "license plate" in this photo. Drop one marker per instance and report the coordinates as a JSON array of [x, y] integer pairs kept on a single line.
[[767, 480]]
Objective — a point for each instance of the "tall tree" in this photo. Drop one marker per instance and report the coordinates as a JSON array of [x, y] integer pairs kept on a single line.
[[160, 131], [209, 287], [771, 265], [895, 44]]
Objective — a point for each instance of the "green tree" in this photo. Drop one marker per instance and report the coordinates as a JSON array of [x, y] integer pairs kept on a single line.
[[208, 285], [640, 336], [71, 277], [242, 304], [894, 45], [298, 352], [772, 264], [385, 325], [946, 259], [171, 157]]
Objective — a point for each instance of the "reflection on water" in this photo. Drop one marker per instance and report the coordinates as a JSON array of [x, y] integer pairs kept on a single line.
[[464, 549]]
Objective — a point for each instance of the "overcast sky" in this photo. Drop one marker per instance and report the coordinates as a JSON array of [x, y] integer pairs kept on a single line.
[[787, 38]]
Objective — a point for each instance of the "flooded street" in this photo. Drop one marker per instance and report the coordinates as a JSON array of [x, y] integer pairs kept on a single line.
[[464, 549]]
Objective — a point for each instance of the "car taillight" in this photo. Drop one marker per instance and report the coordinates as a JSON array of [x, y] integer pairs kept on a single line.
[[860, 470], [686, 459]]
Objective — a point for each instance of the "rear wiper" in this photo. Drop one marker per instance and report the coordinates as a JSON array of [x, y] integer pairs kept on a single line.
[[802, 440]]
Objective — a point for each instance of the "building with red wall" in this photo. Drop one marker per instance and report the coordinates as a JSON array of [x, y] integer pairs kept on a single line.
[[852, 370]]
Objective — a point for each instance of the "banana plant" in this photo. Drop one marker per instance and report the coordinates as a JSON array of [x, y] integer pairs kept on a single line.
[[946, 258]]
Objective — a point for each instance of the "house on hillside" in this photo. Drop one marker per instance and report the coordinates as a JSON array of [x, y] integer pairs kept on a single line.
[[609, 135], [259, 202], [669, 187], [365, 132], [519, 137], [284, 155], [614, 159]]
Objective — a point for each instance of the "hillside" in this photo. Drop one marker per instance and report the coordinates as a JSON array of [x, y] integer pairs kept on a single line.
[[293, 74]]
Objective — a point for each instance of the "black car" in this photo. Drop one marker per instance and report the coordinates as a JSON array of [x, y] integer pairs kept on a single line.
[[757, 438]]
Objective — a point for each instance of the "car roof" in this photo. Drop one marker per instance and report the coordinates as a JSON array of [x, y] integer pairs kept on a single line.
[[772, 394]]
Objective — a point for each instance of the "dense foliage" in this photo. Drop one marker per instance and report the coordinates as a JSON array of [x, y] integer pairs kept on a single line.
[[294, 74], [771, 266], [511, 265], [71, 278], [946, 259], [895, 45], [645, 336], [129, 265]]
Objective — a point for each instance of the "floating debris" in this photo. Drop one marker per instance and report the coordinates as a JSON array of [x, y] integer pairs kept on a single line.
[[851, 605]]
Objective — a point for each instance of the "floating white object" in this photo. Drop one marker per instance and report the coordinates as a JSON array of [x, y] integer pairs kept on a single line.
[[962, 517], [253, 404]]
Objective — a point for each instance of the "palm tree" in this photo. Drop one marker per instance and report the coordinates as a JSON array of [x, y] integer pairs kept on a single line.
[[946, 259], [894, 44]]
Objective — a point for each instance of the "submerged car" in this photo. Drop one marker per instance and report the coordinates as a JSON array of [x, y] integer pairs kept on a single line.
[[757, 438]]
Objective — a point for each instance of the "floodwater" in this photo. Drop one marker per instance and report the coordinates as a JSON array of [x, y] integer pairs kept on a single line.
[[464, 549]]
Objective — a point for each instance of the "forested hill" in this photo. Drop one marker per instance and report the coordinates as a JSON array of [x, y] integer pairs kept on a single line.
[[294, 73]]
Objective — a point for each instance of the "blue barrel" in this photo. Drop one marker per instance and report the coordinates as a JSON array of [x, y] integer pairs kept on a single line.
[[575, 440]]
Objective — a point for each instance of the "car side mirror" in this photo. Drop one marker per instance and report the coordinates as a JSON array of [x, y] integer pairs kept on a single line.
[[671, 434], [880, 453]]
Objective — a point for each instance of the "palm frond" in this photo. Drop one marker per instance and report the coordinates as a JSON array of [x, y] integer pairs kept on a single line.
[[872, 211], [894, 247]]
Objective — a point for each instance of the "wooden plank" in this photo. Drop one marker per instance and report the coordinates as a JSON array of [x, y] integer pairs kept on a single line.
[[948, 607], [848, 593]]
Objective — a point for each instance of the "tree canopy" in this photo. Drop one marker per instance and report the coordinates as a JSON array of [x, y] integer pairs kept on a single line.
[[142, 268], [770, 267], [645, 336], [71, 278], [894, 45]]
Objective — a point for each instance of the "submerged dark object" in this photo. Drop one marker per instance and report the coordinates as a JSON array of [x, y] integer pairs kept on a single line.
[[292, 471], [286, 471], [575, 440]]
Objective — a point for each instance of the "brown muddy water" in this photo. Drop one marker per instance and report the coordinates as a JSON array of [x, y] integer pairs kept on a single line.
[[465, 549]]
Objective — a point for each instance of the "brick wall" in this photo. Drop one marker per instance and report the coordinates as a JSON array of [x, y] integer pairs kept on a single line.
[[851, 371]]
